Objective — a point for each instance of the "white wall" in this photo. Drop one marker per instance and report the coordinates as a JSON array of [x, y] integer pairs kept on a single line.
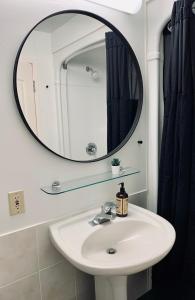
[[24, 163]]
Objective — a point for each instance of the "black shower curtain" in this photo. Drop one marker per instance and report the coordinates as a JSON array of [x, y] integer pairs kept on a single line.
[[176, 197], [122, 90]]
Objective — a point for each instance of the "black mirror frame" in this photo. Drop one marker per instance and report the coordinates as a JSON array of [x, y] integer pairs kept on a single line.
[[140, 82]]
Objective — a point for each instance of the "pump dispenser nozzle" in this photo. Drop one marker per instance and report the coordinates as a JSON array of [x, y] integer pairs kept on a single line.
[[122, 189]]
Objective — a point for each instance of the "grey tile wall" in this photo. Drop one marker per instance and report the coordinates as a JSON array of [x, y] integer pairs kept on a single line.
[[18, 256], [58, 282], [27, 288], [32, 269]]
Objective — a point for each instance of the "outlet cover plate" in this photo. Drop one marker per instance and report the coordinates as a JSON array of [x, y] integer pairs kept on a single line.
[[16, 203]]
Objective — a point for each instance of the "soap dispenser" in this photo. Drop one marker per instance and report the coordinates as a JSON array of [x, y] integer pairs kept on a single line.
[[122, 202]]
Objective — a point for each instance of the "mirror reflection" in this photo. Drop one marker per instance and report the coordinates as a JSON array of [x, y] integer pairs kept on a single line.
[[79, 86]]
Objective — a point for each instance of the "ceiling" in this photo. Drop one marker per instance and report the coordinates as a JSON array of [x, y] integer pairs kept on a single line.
[[128, 6], [53, 23]]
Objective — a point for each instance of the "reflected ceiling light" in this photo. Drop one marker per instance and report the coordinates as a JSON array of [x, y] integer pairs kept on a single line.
[[128, 6]]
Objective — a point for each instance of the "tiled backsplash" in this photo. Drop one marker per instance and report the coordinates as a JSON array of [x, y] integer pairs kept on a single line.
[[32, 269]]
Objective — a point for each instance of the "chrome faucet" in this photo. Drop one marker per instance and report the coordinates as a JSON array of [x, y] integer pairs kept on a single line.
[[108, 213]]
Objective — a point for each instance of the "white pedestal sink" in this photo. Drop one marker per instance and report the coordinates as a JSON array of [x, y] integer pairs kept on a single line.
[[138, 241], [111, 287]]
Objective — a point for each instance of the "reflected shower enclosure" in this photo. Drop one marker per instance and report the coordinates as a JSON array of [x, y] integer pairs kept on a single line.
[[83, 98]]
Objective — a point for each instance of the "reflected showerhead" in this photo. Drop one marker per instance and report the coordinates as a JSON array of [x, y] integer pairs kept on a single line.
[[93, 73]]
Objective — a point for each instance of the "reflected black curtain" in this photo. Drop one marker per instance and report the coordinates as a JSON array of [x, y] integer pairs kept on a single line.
[[122, 90], [175, 275]]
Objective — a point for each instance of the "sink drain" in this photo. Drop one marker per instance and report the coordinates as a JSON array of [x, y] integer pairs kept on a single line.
[[111, 251]]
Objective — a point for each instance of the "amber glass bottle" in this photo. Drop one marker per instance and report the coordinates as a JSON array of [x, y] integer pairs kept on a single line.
[[122, 202]]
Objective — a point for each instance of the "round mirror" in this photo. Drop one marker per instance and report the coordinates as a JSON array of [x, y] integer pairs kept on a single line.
[[78, 86]]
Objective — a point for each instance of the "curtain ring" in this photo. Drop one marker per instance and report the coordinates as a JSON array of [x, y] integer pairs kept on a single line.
[[169, 27], [193, 7]]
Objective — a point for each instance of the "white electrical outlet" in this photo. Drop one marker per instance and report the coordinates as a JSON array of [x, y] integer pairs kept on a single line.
[[16, 203]]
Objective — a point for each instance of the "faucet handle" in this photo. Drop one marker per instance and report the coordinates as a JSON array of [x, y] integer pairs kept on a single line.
[[109, 208]]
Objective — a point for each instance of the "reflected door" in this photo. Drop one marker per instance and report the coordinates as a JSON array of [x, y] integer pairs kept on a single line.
[[26, 91]]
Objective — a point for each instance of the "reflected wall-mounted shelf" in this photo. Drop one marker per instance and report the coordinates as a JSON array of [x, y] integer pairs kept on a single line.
[[80, 183]]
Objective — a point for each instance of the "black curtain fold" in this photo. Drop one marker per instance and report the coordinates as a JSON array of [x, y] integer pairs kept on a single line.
[[122, 90], [176, 195]]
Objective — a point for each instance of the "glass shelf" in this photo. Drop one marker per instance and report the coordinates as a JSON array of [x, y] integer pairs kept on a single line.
[[87, 181]]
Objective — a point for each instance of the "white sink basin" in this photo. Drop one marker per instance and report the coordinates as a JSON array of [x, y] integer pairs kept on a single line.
[[141, 240]]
